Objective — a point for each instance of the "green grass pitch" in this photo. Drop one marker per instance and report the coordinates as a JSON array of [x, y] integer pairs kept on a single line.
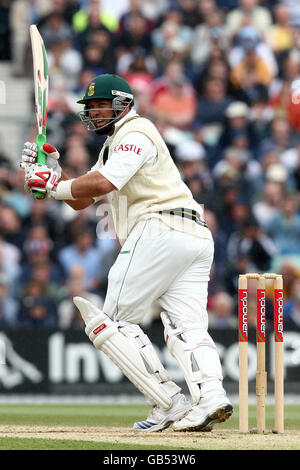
[[114, 419]]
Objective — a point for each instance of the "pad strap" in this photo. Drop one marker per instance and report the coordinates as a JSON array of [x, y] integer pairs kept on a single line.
[[195, 352]]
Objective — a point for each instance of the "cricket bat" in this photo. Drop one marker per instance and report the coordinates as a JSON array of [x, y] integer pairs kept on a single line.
[[40, 75]]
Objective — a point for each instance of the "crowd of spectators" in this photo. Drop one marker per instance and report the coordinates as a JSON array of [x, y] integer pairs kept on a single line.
[[219, 79]]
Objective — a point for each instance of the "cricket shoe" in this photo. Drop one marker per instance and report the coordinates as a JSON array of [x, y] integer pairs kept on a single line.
[[212, 408], [160, 419]]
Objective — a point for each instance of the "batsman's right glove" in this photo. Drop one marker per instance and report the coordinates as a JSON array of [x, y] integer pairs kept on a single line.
[[29, 156], [41, 179]]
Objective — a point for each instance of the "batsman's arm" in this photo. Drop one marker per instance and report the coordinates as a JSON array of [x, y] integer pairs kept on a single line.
[[78, 204], [79, 192]]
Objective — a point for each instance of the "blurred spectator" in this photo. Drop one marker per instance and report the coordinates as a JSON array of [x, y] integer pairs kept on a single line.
[[291, 161], [188, 10], [37, 241], [237, 211], [268, 206], [77, 222], [64, 62], [285, 227], [248, 12], [92, 59], [292, 312], [68, 314], [94, 12], [10, 260], [102, 38], [22, 14], [288, 267], [36, 309], [47, 275], [135, 8], [244, 171], [252, 242], [82, 252], [136, 36], [172, 38], [251, 72], [204, 9], [209, 35], [269, 158], [174, 70], [279, 34], [292, 304], [11, 226], [76, 161], [140, 75], [153, 10], [232, 269], [45, 213], [278, 174], [5, 31], [177, 104], [15, 196], [55, 29], [5, 162], [220, 314], [280, 136], [190, 157], [212, 102], [8, 304], [260, 116], [217, 68], [88, 30], [289, 72], [284, 89], [237, 122], [40, 260], [248, 39], [294, 8], [77, 137]]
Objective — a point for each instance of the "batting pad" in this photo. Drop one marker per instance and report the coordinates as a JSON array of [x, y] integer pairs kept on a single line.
[[123, 351], [195, 352]]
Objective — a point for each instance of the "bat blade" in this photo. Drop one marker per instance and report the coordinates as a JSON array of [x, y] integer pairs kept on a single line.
[[40, 76]]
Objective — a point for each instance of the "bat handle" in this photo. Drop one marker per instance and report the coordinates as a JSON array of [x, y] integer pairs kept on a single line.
[[41, 158]]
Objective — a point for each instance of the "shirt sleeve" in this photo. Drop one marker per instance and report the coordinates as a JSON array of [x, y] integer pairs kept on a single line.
[[133, 151]]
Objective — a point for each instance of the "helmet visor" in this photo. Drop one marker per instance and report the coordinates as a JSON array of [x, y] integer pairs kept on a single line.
[[92, 123]]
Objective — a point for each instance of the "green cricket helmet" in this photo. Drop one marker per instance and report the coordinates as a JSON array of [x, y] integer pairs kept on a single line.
[[109, 87]]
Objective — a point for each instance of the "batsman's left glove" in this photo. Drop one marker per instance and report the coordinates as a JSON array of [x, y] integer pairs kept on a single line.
[[29, 156], [40, 178]]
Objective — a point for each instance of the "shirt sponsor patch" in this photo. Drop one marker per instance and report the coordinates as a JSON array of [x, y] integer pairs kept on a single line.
[[128, 148]]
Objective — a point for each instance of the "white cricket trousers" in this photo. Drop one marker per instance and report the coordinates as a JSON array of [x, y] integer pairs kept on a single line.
[[157, 263]]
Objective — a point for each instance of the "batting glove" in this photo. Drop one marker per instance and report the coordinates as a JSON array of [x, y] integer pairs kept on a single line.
[[40, 178], [29, 156]]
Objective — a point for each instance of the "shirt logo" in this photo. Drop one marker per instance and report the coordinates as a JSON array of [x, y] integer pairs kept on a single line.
[[128, 148]]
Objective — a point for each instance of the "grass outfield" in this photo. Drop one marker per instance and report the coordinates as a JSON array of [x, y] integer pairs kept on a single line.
[[109, 427]]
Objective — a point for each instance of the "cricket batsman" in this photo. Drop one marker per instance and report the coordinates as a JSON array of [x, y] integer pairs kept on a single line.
[[166, 256]]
